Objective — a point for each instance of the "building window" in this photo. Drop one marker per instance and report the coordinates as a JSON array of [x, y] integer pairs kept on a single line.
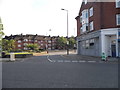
[[117, 3], [118, 19], [25, 44], [19, 41], [85, 20], [91, 26], [87, 44], [84, 27], [49, 44], [49, 41], [25, 40], [85, 1], [35, 40], [80, 19], [83, 44], [19, 45], [91, 11], [92, 41], [85, 15], [25, 48], [81, 31]]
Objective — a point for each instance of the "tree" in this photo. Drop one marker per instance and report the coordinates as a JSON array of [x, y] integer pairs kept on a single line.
[[72, 42], [1, 32], [8, 45], [62, 42], [33, 47], [1, 35]]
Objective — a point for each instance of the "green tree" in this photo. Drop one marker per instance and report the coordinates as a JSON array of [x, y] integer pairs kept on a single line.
[[72, 42], [34, 47], [1, 33], [62, 42], [8, 45]]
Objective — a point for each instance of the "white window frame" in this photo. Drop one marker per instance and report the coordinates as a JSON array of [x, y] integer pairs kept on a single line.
[[91, 11], [36, 40], [91, 26], [87, 44], [81, 19], [25, 44], [26, 40], [117, 3], [118, 19], [85, 1], [84, 27], [81, 31], [19, 41], [25, 48], [49, 41], [19, 45]]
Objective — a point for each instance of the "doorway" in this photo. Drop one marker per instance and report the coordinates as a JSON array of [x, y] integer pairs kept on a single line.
[[113, 50]]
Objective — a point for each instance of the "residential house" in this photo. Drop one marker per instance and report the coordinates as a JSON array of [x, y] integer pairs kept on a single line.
[[44, 42], [98, 28]]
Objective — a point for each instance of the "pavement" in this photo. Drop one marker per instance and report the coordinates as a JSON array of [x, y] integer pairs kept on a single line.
[[90, 58], [72, 55]]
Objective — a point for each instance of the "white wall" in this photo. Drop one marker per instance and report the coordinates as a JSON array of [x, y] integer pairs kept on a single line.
[[106, 40]]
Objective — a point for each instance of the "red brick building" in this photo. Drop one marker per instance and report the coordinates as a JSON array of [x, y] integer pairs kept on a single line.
[[98, 27], [44, 42]]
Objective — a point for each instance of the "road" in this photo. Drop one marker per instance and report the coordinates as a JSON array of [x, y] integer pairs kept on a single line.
[[59, 71]]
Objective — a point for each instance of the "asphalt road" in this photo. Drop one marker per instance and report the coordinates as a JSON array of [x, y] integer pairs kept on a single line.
[[57, 71]]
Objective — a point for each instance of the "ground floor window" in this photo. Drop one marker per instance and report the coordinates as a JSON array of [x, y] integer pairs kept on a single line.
[[118, 19], [88, 43]]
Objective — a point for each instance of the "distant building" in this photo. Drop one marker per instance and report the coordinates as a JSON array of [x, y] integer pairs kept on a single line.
[[98, 28], [44, 42]]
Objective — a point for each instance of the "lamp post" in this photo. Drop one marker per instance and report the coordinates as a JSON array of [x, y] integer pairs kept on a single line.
[[50, 38], [67, 32]]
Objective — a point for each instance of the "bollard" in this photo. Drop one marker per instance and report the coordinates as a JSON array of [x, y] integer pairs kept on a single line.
[[104, 58], [12, 57]]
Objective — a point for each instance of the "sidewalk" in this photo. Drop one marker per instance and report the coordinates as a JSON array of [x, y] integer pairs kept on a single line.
[[89, 58]]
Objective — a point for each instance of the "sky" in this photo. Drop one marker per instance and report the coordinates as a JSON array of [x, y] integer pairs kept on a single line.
[[42, 17]]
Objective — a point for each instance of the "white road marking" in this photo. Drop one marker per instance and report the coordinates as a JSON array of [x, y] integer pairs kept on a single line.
[[49, 59], [60, 60], [74, 61], [81, 61], [92, 61], [67, 61]]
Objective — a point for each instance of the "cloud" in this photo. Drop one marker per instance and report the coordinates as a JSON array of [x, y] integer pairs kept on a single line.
[[38, 16]]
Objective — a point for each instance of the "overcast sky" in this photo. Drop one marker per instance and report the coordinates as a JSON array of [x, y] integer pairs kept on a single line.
[[38, 16]]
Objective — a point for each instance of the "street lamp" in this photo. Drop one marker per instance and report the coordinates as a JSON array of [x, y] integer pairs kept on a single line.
[[67, 31], [50, 38]]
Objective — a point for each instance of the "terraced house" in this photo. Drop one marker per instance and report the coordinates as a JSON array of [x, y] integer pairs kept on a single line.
[[44, 42], [98, 28]]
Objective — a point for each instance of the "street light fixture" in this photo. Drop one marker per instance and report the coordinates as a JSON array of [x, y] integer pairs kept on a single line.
[[67, 32], [50, 38]]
